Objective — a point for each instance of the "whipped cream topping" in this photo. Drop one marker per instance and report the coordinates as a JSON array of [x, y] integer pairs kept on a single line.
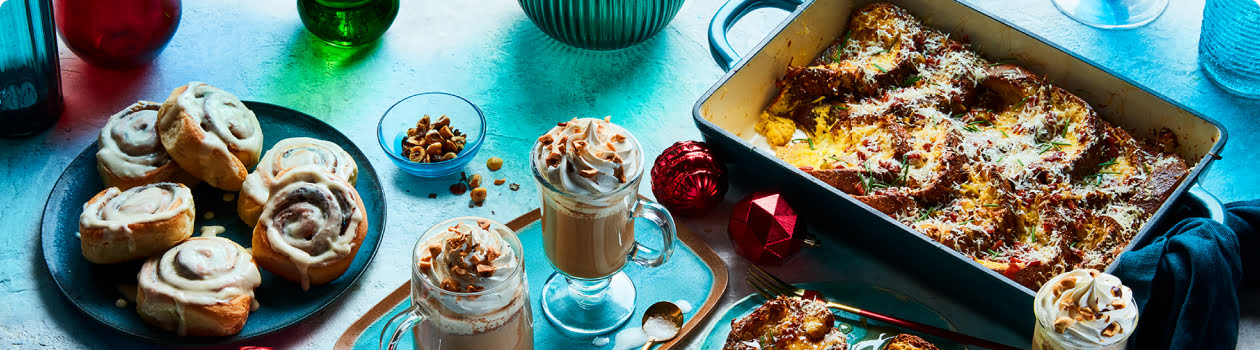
[[471, 258], [200, 271], [312, 218], [1087, 308], [294, 152], [587, 156], [116, 210], [129, 145]]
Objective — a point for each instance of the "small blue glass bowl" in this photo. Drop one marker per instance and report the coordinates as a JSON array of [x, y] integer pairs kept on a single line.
[[403, 115]]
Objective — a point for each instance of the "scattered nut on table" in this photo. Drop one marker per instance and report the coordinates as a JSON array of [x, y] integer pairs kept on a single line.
[[478, 195], [494, 163], [499, 182], [474, 181]]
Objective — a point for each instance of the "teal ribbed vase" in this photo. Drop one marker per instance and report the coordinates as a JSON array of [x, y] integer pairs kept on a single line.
[[601, 24]]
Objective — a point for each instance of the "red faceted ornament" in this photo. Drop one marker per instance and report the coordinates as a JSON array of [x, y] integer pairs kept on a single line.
[[765, 229], [688, 178]]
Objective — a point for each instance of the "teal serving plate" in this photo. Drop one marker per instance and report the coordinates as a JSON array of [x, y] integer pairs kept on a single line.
[[860, 333], [94, 289]]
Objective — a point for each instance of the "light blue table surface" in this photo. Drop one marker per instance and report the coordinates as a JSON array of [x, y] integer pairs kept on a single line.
[[489, 52]]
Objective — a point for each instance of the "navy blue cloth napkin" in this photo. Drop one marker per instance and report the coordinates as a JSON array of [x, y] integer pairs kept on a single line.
[[1186, 281]]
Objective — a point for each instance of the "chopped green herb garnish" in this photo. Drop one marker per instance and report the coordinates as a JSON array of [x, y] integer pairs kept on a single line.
[[1146, 167], [834, 158], [1060, 143], [981, 121], [905, 170], [992, 205], [928, 212], [971, 128], [911, 80], [1108, 172], [810, 140], [1109, 163], [880, 68], [1004, 133], [844, 107], [992, 253], [1021, 162]]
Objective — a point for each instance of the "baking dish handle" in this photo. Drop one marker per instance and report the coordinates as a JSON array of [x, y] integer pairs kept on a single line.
[[727, 15], [1216, 209]]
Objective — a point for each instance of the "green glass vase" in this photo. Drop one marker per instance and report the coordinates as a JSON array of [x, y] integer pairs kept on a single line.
[[601, 24], [347, 23]]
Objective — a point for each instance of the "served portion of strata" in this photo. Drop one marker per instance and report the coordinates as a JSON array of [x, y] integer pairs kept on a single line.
[[787, 323], [982, 156]]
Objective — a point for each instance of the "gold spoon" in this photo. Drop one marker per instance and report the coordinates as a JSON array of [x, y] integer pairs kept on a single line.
[[661, 322]]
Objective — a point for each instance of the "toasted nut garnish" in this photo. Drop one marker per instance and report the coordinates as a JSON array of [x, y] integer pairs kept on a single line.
[[425, 265], [485, 270], [494, 163], [434, 149], [620, 174], [449, 284], [483, 224], [1064, 284], [1117, 304], [474, 289], [435, 249], [448, 156], [1112, 329], [445, 131], [432, 136], [579, 145], [417, 154], [448, 146], [474, 181], [546, 139], [608, 119], [478, 195], [443, 121], [1062, 323], [458, 189], [553, 159], [589, 173], [613, 157], [618, 138], [499, 182], [423, 124]]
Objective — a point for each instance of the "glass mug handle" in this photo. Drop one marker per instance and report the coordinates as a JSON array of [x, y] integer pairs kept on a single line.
[[413, 316], [648, 257]]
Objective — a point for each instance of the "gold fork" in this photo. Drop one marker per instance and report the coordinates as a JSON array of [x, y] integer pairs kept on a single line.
[[770, 287]]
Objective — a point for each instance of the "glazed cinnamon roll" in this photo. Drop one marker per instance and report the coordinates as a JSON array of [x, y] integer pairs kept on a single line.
[[202, 287], [310, 228], [287, 154], [140, 222], [130, 153], [211, 134]]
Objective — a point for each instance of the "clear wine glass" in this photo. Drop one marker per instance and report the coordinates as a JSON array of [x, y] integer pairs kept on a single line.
[[1112, 14]]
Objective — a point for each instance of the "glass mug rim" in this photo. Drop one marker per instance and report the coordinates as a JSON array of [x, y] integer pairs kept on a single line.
[[616, 191], [513, 241]]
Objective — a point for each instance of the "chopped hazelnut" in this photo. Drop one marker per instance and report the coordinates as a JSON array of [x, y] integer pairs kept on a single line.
[[499, 182], [434, 149], [432, 137], [553, 159], [445, 132], [418, 155], [620, 174], [589, 173], [494, 163], [458, 189], [546, 139], [1062, 323], [474, 289], [483, 224], [1117, 304], [448, 156], [449, 284], [423, 124], [435, 249], [485, 270], [618, 138], [579, 145], [448, 146], [1112, 329], [425, 265], [478, 195], [443, 121], [474, 181]]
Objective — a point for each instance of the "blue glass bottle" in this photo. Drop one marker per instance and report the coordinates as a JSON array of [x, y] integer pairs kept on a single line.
[[30, 76], [1229, 51]]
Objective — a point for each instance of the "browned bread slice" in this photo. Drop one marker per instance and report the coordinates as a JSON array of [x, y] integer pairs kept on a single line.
[[787, 323], [907, 342]]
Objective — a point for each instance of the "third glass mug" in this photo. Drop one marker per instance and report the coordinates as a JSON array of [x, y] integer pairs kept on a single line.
[[588, 238]]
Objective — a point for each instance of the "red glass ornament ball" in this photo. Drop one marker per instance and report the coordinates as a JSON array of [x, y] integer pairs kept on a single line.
[[688, 178], [765, 229]]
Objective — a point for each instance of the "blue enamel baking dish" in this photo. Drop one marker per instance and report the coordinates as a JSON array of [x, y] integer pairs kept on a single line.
[[727, 113]]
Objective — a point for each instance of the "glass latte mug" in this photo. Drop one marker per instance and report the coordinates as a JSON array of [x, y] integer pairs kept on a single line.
[[468, 290], [588, 230]]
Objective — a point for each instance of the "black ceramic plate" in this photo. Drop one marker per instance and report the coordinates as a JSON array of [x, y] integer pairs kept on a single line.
[[95, 288]]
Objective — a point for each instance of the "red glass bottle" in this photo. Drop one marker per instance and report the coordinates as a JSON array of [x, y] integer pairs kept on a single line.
[[117, 33]]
